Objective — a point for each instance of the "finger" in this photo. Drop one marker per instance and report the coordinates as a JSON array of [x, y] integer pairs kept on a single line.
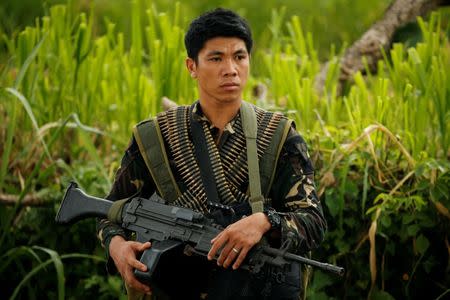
[[217, 237], [224, 254], [240, 258], [222, 234], [136, 246], [137, 285], [212, 252], [231, 256], [145, 246], [138, 265], [218, 244]]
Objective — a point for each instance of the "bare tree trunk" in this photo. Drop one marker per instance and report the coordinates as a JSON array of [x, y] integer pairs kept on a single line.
[[28, 200], [379, 36]]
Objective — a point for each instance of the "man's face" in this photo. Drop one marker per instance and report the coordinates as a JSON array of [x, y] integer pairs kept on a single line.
[[221, 70]]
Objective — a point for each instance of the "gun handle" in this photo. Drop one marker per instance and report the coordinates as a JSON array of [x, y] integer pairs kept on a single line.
[[150, 258]]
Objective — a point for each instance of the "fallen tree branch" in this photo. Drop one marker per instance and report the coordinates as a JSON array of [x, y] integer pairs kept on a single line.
[[377, 37], [28, 200], [167, 103]]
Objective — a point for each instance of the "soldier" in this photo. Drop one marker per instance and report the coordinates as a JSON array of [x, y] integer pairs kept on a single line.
[[210, 162]]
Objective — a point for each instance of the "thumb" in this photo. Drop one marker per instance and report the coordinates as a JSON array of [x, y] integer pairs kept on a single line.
[[138, 246], [144, 246]]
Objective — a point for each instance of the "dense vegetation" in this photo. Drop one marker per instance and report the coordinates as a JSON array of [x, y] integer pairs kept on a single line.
[[73, 84]]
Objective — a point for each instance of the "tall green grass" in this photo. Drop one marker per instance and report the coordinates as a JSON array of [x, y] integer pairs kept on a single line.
[[332, 21], [70, 98]]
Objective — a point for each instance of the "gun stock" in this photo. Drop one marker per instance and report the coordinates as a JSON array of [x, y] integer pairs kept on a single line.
[[77, 205]]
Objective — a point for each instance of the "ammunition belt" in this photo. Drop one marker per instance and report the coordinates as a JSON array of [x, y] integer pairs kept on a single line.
[[174, 125], [229, 164]]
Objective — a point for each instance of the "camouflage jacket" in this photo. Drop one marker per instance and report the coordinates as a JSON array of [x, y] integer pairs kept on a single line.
[[293, 192]]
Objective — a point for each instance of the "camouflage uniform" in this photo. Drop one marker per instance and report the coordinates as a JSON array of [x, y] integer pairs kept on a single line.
[[293, 193]]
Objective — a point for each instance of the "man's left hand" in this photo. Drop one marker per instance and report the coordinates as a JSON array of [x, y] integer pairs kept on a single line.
[[235, 241]]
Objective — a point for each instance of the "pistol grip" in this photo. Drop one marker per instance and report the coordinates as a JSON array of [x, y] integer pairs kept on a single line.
[[150, 258]]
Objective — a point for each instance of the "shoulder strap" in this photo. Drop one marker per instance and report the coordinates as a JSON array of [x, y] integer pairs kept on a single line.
[[249, 126], [151, 145], [262, 173], [269, 160]]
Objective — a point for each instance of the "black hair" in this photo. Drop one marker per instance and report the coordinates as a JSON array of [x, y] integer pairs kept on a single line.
[[219, 22]]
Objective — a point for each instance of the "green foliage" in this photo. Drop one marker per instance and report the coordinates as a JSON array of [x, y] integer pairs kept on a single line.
[[71, 92], [335, 24]]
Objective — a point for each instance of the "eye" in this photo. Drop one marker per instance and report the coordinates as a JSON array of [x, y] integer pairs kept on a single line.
[[214, 58], [240, 57]]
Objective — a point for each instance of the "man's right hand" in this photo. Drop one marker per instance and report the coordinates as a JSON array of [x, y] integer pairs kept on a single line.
[[124, 254]]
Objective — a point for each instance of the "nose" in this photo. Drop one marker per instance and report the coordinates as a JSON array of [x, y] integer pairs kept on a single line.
[[229, 69]]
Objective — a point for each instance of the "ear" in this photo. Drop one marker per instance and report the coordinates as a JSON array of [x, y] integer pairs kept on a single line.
[[192, 67]]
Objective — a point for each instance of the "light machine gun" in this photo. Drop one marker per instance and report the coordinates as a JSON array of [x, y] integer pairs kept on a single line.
[[168, 227]]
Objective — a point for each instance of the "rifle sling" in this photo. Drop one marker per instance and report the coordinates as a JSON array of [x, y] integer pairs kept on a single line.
[[151, 145], [249, 125], [115, 212]]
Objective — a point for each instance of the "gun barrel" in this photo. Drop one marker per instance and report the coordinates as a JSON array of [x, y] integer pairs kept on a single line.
[[77, 205], [292, 257]]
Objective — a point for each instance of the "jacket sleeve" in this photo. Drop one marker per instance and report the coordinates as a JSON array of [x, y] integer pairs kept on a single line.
[[294, 195], [132, 179]]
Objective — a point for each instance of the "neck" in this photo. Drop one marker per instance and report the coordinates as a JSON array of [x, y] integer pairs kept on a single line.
[[220, 114]]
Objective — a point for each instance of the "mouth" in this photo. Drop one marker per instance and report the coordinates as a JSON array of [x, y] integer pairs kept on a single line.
[[230, 86], [227, 84]]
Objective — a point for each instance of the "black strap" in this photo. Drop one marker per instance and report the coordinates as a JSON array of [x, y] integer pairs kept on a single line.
[[203, 160]]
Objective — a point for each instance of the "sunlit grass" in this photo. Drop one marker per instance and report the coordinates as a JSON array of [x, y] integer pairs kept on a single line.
[[70, 98]]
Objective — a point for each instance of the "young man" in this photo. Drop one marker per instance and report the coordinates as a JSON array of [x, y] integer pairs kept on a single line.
[[218, 45]]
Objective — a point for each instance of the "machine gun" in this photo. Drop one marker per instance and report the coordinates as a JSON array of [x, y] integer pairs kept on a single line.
[[169, 227]]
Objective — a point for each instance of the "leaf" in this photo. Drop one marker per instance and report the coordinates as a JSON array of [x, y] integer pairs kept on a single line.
[[406, 219], [372, 254], [381, 295], [28, 276], [27, 106], [390, 248], [386, 221], [350, 222], [321, 280], [317, 296], [420, 170], [342, 246], [413, 229], [28, 62], [333, 205], [426, 221], [422, 244], [56, 259], [430, 264]]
